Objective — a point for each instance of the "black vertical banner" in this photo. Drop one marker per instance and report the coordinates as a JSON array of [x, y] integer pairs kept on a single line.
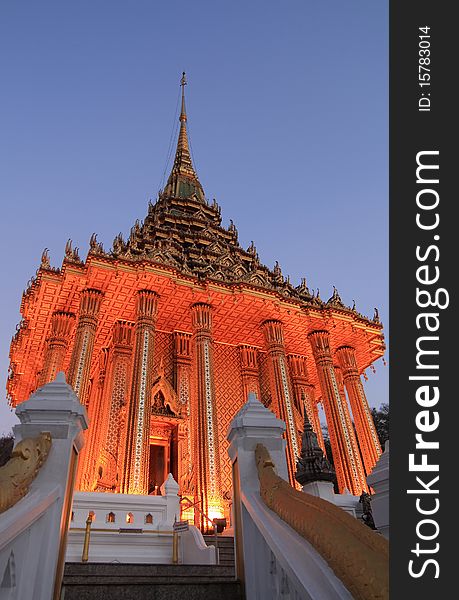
[[424, 242]]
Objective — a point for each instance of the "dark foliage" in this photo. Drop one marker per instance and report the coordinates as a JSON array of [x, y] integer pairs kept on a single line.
[[381, 420], [6, 448]]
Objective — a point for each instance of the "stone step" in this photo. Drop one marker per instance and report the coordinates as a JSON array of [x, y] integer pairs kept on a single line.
[[222, 539], [225, 548], [143, 570], [110, 581]]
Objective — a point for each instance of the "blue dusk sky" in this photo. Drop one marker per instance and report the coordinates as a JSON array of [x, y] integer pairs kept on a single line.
[[288, 118]]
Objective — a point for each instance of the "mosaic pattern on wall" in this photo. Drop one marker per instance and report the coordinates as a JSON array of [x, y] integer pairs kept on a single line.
[[164, 345], [229, 396]]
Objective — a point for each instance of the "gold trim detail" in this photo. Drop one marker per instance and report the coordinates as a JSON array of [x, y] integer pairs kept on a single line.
[[22, 468], [358, 556]]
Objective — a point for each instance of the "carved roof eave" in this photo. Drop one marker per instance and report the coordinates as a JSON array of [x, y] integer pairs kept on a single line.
[[164, 202], [237, 286], [34, 282], [114, 261]]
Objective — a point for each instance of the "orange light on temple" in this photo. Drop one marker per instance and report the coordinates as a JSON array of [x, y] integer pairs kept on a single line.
[[215, 510], [187, 510]]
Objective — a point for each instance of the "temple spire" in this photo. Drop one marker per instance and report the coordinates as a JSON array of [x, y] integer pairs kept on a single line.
[[183, 181]]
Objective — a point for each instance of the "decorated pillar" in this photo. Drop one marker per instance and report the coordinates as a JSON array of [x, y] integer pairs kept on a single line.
[[348, 465], [366, 430], [112, 442], [182, 375], [182, 364], [207, 461], [304, 394], [86, 478], [62, 324], [342, 393], [80, 361], [280, 389], [249, 371], [137, 440]]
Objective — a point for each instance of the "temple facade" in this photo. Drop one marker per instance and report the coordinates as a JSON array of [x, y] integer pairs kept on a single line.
[[164, 335]]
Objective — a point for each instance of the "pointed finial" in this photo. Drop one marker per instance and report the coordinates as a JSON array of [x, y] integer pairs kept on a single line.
[[45, 264], [68, 249], [183, 83]]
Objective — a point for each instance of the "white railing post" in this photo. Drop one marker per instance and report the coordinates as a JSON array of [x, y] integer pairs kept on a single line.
[[42, 516], [254, 424], [169, 490], [272, 560]]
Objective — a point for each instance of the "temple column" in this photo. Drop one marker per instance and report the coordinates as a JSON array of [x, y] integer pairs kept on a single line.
[[137, 440], [207, 459], [249, 371], [111, 443], [348, 465], [86, 477], [61, 327], [305, 394], [280, 389], [366, 430], [182, 375], [80, 361]]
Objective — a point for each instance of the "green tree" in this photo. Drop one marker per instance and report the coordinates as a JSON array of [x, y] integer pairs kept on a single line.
[[381, 420]]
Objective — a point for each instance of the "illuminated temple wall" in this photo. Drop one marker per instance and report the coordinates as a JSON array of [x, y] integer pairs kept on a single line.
[[98, 472], [166, 405], [163, 336]]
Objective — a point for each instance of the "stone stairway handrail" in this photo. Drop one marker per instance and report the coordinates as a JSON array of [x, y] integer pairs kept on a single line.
[[357, 555]]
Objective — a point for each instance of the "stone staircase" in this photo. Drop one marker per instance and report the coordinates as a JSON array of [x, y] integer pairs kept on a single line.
[[225, 548], [115, 581]]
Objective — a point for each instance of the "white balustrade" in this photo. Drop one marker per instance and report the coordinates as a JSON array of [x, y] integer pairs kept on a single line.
[[32, 532], [130, 528], [379, 481], [273, 560], [125, 528]]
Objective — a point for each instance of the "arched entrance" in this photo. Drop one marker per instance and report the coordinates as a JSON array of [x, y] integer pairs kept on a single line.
[[164, 435]]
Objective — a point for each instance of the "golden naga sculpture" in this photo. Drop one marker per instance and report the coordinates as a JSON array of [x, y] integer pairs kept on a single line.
[[358, 556], [22, 468]]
